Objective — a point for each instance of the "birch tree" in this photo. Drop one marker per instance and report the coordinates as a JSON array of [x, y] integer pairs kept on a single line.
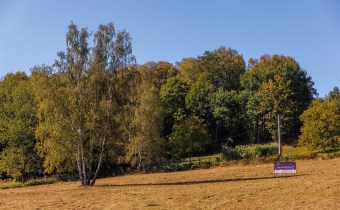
[[82, 97]]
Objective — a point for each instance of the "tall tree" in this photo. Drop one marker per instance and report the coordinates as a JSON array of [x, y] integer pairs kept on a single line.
[[335, 93], [189, 69], [321, 125], [190, 137], [157, 73], [209, 75], [172, 96], [275, 100], [277, 86], [228, 113], [17, 123], [146, 146], [224, 67], [199, 96], [84, 97]]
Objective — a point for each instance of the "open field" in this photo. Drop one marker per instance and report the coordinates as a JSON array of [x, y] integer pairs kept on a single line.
[[317, 186]]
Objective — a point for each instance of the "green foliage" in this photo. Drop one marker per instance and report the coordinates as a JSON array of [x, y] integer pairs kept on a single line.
[[17, 124], [321, 125], [172, 96], [335, 93], [198, 97], [146, 146], [189, 138], [227, 110], [189, 70], [224, 67], [249, 152], [193, 163], [331, 155], [265, 150], [230, 154], [245, 152], [203, 159], [78, 104], [274, 97], [157, 73], [32, 182], [289, 152], [54, 131], [11, 185], [179, 167], [276, 85]]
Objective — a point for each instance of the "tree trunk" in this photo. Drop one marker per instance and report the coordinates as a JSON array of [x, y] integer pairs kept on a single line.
[[83, 164], [23, 168], [94, 136], [79, 165], [216, 135], [139, 160], [80, 172], [99, 162], [258, 133]]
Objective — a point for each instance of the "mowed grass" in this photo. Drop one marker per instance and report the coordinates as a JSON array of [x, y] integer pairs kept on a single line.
[[226, 187]]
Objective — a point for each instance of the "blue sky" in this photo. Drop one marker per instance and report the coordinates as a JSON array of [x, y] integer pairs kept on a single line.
[[32, 32]]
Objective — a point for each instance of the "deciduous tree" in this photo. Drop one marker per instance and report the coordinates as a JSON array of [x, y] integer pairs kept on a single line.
[[321, 125], [146, 146], [17, 123], [190, 137]]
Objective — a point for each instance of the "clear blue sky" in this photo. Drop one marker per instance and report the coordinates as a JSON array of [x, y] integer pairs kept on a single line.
[[32, 32]]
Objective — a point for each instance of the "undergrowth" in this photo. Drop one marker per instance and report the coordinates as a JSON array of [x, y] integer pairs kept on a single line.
[[33, 182]]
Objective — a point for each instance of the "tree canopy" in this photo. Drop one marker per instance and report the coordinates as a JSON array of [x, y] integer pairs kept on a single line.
[[321, 124]]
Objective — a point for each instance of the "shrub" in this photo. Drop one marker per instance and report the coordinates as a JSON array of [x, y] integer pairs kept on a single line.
[[249, 152], [244, 152], [265, 150], [321, 125], [230, 154], [35, 182], [289, 152], [331, 155], [32, 182]]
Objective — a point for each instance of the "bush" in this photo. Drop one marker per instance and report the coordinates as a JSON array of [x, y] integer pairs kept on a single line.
[[66, 177], [265, 150], [179, 167], [249, 152], [289, 152], [32, 182], [321, 125], [35, 182], [9, 185], [230, 154], [331, 155], [244, 152]]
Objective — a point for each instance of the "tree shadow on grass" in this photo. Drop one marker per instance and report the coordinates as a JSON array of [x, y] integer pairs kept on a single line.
[[201, 181]]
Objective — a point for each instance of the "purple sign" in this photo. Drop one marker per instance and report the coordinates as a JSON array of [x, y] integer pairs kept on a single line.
[[284, 167]]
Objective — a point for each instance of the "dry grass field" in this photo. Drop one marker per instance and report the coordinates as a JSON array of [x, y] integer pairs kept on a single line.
[[317, 186]]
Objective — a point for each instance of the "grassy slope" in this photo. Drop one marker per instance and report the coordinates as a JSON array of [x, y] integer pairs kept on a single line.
[[229, 187]]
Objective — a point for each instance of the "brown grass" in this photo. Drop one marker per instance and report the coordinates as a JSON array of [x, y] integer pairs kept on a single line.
[[317, 186]]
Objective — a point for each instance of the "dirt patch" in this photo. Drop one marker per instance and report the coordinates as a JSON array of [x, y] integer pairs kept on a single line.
[[231, 187]]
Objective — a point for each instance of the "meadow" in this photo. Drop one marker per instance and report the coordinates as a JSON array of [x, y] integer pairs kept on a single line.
[[236, 186]]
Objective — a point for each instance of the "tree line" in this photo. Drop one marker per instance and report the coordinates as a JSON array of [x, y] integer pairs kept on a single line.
[[96, 107]]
